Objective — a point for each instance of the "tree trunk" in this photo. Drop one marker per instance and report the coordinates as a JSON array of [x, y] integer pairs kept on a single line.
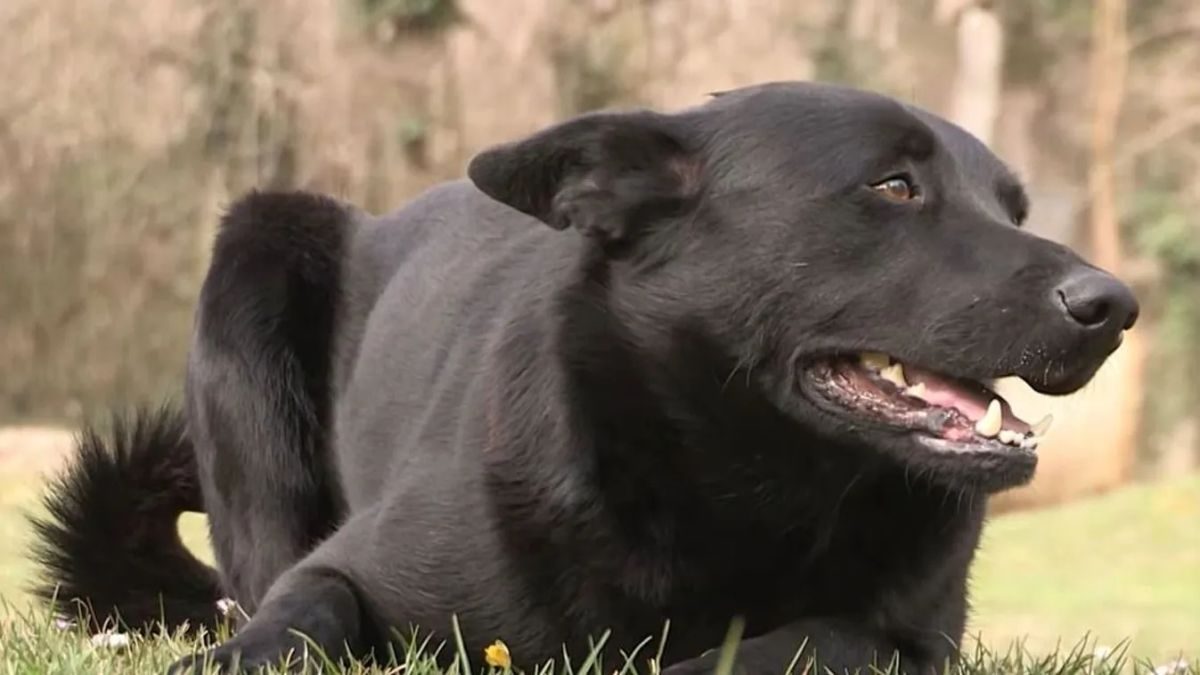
[[1109, 62], [977, 82]]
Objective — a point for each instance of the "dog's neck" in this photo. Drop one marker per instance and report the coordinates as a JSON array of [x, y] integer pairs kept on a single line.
[[630, 407], [663, 457]]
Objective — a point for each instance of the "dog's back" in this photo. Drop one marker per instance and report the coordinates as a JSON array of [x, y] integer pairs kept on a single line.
[[428, 290]]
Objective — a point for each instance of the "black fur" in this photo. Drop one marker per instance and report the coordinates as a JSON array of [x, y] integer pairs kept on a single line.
[[454, 409], [259, 385], [110, 538]]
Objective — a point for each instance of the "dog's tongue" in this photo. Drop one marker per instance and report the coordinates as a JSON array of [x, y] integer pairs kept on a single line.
[[970, 401]]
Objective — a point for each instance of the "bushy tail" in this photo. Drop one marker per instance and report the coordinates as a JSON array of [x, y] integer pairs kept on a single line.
[[110, 544]]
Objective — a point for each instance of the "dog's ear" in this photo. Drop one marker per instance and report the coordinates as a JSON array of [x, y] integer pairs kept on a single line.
[[604, 174]]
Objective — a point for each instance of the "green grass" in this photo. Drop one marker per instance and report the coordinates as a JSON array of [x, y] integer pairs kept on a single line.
[[33, 644], [1048, 588], [1122, 566]]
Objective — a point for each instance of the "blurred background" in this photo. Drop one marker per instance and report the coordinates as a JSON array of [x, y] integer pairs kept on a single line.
[[126, 126]]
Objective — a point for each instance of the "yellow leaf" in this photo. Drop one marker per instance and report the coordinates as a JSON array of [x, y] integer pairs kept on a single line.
[[497, 656]]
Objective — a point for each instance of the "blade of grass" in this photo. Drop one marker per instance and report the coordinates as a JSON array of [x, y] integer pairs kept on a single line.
[[729, 647]]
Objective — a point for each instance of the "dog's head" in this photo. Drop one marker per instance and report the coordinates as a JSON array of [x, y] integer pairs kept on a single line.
[[864, 259]]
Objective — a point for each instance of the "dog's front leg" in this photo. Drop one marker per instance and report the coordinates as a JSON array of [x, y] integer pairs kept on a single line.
[[836, 644], [318, 603]]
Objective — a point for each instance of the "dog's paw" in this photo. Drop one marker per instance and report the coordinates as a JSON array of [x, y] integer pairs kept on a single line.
[[229, 659]]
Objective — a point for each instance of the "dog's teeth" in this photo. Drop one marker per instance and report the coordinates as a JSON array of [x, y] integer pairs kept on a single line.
[[874, 360], [894, 374], [1009, 437], [991, 422], [916, 391], [1038, 430], [1029, 443]]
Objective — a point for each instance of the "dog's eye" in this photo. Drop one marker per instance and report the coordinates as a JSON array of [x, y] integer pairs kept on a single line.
[[896, 188]]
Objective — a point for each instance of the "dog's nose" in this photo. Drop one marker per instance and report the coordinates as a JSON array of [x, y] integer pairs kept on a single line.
[[1095, 299]]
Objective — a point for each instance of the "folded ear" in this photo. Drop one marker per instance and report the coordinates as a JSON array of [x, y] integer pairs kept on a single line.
[[604, 174]]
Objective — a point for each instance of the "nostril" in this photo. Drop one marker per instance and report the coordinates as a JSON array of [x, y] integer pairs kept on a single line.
[[1095, 300], [1133, 317], [1089, 311]]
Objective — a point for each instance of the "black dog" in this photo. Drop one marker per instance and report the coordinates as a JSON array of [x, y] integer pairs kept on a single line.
[[747, 378]]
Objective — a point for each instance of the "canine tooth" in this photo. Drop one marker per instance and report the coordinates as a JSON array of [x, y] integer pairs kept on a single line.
[[991, 422], [875, 360], [1043, 425], [916, 391], [894, 374]]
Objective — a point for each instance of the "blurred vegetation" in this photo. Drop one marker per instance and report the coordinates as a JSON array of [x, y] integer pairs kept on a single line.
[[1168, 233], [125, 127], [410, 15]]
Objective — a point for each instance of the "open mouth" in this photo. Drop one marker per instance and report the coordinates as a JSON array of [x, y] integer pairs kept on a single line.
[[946, 413]]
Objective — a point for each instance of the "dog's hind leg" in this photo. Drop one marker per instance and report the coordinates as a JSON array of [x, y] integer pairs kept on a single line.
[[258, 389]]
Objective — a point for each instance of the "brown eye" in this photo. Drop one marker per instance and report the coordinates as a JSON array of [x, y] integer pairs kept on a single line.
[[897, 189]]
